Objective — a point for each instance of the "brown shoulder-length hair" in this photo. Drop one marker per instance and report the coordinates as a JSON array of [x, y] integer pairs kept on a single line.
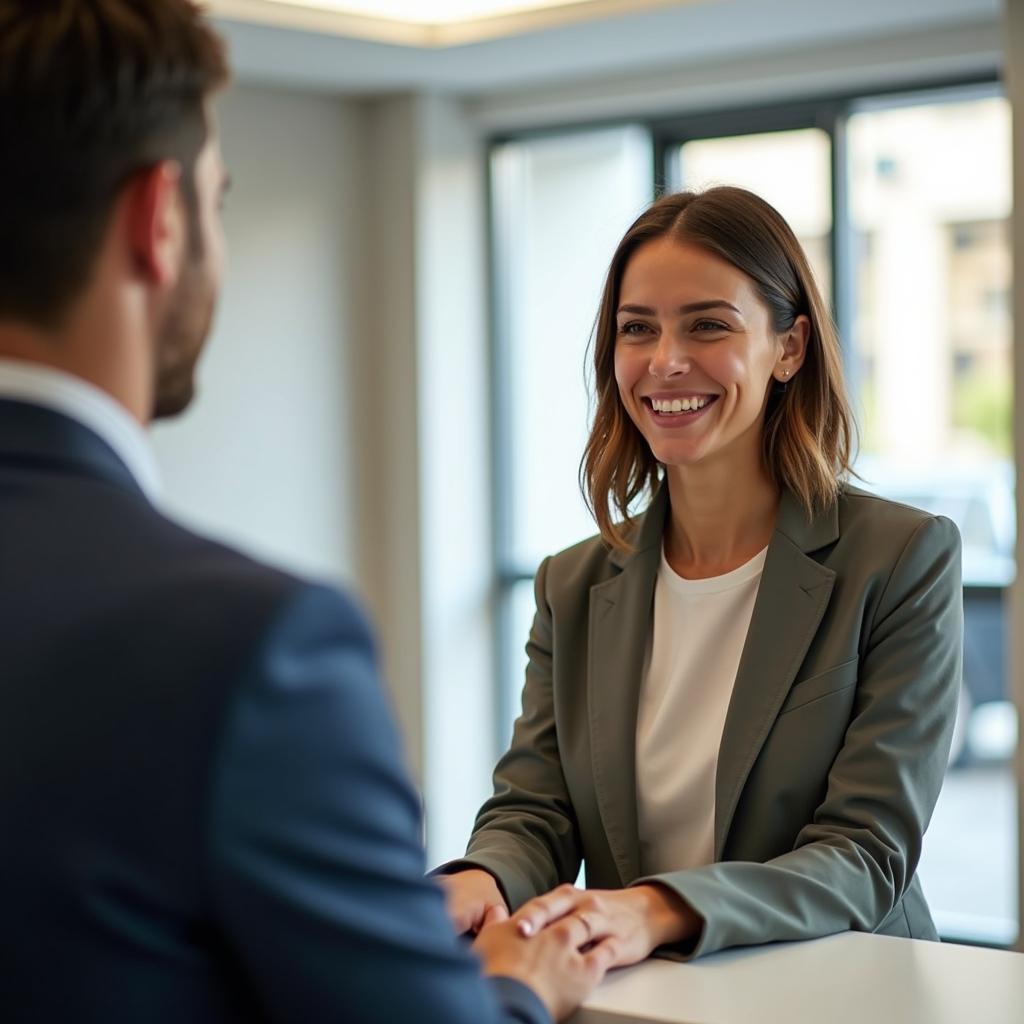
[[808, 433]]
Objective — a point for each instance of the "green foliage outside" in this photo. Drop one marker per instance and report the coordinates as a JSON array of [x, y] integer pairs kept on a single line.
[[865, 409], [983, 404]]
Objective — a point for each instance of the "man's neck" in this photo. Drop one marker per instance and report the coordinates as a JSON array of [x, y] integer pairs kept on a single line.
[[104, 366]]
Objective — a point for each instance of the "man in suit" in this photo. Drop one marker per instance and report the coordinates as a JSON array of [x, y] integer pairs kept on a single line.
[[202, 813]]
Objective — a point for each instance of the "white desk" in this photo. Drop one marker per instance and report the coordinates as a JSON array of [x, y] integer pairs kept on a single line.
[[852, 978]]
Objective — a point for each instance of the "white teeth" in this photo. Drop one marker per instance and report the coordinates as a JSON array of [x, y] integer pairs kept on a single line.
[[668, 406]]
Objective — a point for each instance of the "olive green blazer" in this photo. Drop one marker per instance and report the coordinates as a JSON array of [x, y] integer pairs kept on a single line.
[[834, 747]]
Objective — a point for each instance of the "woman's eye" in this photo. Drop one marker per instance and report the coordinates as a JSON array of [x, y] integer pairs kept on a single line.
[[709, 325], [634, 328]]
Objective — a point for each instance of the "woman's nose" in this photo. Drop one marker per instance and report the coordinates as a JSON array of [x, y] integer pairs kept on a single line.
[[669, 359]]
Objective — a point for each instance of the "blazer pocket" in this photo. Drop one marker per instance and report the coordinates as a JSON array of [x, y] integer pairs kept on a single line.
[[839, 677]]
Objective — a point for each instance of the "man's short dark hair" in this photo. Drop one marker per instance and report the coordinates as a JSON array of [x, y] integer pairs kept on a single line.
[[91, 91]]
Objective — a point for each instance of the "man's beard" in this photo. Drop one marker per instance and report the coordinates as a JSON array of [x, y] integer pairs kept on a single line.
[[181, 337]]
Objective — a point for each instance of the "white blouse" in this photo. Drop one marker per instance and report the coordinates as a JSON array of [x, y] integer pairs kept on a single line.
[[697, 637]]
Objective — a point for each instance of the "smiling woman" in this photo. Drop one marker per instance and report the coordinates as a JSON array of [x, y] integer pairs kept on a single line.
[[739, 702], [669, 377], [740, 317]]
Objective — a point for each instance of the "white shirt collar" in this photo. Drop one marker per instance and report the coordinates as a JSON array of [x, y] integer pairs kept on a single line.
[[88, 405]]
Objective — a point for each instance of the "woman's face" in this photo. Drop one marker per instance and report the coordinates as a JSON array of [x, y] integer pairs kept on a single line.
[[695, 353]]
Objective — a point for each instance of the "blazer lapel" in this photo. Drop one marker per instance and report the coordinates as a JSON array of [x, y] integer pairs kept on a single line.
[[791, 600], [620, 621]]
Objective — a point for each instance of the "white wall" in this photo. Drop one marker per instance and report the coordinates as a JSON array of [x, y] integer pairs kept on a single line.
[[264, 457], [453, 346], [386, 439], [423, 442]]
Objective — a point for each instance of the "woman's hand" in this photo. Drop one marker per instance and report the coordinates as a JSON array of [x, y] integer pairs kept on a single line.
[[636, 920], [473, 900]]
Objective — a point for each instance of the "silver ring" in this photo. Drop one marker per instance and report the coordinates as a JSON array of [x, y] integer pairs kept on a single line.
[[587, 925]]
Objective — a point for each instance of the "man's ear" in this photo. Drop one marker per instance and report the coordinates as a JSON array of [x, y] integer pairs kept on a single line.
[[155, 222]]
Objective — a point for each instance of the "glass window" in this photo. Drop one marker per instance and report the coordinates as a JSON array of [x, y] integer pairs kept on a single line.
[[560, 205], [929, 190], [792, 170]]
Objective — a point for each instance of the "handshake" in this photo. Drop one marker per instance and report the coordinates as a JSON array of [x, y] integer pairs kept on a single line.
[[561, 944]]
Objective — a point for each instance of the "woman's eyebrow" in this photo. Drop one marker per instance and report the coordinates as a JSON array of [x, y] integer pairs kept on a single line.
[[690, 307]]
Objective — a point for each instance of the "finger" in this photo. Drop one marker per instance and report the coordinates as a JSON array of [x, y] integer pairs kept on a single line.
[[541, 911], [471, 918], [600, 958], [574, 931], [495, 914], [599, 924]]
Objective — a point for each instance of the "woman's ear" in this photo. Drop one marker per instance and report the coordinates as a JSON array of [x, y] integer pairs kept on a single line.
[[794, 349]]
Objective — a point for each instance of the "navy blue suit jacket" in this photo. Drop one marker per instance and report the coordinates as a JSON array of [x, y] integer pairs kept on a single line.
[[203, 817]]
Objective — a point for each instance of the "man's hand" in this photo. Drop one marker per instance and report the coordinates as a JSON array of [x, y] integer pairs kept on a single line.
[[635, 920], [552, 962], [473, 900]]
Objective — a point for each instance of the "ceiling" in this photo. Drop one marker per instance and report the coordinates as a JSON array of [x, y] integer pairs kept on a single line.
[[588, 40], [429, 23]]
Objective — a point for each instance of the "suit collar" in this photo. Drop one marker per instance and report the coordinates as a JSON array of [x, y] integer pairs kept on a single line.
[[792, 598], [91, 406], [648, 530], [32, 435], [621, 612], [791, 601], [806, 532]]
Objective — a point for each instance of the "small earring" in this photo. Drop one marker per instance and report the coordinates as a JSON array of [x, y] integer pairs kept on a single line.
[[786, 373]]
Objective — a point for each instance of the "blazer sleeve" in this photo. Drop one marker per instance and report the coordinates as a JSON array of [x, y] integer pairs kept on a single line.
[[314, 860], [526, 834], [852, 863]]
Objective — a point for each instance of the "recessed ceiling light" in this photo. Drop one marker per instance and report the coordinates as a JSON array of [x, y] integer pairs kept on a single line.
[[427, 24], [431, 12]]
